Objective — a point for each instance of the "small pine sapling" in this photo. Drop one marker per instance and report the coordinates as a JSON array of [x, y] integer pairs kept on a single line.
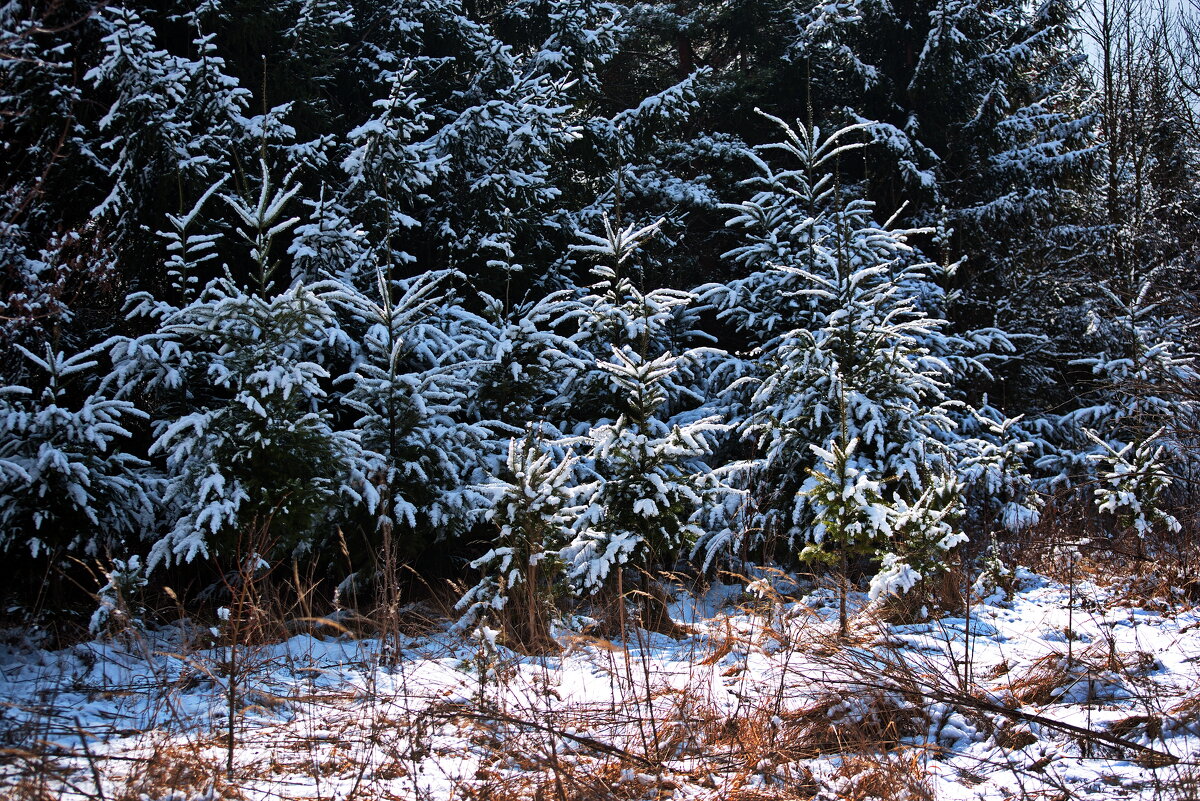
[[1137, 426], [848, 513], [650, 481], [118, 599], [533, 508], [649, 472], [66, 484], [1132, 482], [924, 533]]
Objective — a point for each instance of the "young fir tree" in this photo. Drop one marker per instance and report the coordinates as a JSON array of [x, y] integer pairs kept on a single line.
[[239, 419], [67, 481], [1133, 430], [54, 263], [847, 393], [648, 470], [533, 508], [409, 385]]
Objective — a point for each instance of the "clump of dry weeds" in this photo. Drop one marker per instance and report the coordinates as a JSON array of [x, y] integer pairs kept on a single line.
[[174, 770], [839, 723], [1091, 673], [882, 777]]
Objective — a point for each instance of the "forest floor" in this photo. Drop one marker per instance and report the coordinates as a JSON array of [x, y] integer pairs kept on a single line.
[[1055, 691]]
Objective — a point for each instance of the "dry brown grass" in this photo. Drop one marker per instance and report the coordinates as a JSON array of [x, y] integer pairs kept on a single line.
[[892, 777], [868, 721], [171, 768], [568, 779], [39, 775], [1051, 676], [1157, 570]]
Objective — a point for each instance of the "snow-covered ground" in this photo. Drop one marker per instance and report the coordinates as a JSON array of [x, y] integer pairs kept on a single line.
[[1052, 693]]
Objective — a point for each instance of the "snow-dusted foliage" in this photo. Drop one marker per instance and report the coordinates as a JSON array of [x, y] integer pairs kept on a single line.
[[617, 313], [999, 469], [650, 477], [239, 420], [848, 395], [782, 224], [1132, 482], [388, 167], [533, 510], [170, 114], [1135, 432], [67, 479], [367, 245], [847, 504], [41, 283], [118, 607], [408, 386], [188, 249], [46, 257], [531, 367], [261, 217], [516, 114]]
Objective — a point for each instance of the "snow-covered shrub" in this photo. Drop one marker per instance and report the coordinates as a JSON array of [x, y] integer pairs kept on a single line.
[[995, 581], [409, 383], [67, 480], [847, 503], [240, 422], [649, 482], [533, 510], [387, 168]]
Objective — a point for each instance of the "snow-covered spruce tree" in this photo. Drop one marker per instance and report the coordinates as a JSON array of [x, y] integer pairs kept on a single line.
[[53, 263], [533, 508], [388, 169], [847, 396], [999, 471], [67, 482], [987, 116], [1135, 432], [261, 218], [850, 514], [174, 123], [238, 416], [409, 384], [529, 365], [649, 481], [649, 470], [617, 312], [189, 247]]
